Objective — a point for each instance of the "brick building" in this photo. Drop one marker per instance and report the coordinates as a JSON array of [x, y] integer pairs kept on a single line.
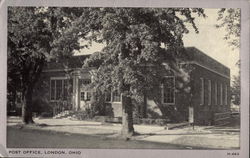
[[63, 86]]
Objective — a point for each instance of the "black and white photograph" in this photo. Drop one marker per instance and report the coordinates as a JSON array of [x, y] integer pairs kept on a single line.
[[152, 78]]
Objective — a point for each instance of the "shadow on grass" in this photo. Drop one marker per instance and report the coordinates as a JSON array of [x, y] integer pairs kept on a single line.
[[68, 125], [37, 139]]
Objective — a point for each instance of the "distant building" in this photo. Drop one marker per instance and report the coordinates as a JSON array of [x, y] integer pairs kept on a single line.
[[63, 86]]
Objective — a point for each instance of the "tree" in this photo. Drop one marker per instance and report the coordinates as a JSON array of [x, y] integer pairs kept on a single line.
[[138, 41], [230, 20], [235, 90], [36, 34]]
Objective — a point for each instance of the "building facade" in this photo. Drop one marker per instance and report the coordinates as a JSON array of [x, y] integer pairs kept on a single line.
[[205, 94]]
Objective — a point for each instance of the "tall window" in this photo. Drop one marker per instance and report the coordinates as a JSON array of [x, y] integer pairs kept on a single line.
[[58, 89], [108, 96], [202, 91], [221, 94], [215, 93], [82, 96], [209, 92], [168, 90], [52, 89], [65, 90], [85, 94], [88, 96], [116, 96], [225, 95]]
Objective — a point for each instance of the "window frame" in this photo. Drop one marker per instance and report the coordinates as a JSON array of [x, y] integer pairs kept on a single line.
[[105, 97], [209, 93], [221, 94], [162, 91], [112, 97], [202, 92], [215, 93], [63, 79]]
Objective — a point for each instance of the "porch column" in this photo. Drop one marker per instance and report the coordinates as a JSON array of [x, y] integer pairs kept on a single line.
[[76, 91]]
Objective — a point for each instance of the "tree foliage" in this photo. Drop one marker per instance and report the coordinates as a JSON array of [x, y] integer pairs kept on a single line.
[[230, 20], [136, 38], [139, 44], [235, 90], [36, 34], [138, 41]]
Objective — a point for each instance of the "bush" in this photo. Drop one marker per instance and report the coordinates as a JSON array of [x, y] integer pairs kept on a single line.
[[159, 122], [40, 107], [46, 114]]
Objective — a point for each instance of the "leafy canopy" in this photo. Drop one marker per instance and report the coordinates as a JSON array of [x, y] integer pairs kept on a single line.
[[137, 42], [230, 20], [35, 35]]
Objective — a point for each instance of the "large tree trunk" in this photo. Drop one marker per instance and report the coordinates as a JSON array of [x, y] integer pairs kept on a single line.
[[27, 106], [127, 117]]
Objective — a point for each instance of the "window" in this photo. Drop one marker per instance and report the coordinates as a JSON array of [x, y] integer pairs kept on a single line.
[[168, 88], [116, 96], [85, 96], [58, 89], [215, 93], [209, 92], [65, 90], [202, 91], [225, 95], [88, 96], [82, 96], [52, 89], [221, 94], [108, 96]]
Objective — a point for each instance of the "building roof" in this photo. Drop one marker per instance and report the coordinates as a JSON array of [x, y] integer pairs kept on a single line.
[[70, 63], [194, 56], [198, 57]]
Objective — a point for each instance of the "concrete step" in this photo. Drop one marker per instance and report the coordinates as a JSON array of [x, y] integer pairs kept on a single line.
[[177, 125]]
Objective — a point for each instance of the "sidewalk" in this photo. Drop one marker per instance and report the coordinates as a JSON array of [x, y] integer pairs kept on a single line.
[[204, 137]]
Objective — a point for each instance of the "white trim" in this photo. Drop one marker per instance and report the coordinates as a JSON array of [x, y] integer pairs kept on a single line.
[[162, 91], [58, 78], [85, 97]]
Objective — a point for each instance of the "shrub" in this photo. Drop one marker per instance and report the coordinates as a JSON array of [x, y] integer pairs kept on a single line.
[[46, 114], [159, 122], [41, 106]]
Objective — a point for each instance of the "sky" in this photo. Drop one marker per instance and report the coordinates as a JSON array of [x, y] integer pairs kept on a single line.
[[209, 40]]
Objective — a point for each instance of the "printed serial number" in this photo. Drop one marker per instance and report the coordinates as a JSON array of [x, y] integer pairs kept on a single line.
[[233, 153]]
